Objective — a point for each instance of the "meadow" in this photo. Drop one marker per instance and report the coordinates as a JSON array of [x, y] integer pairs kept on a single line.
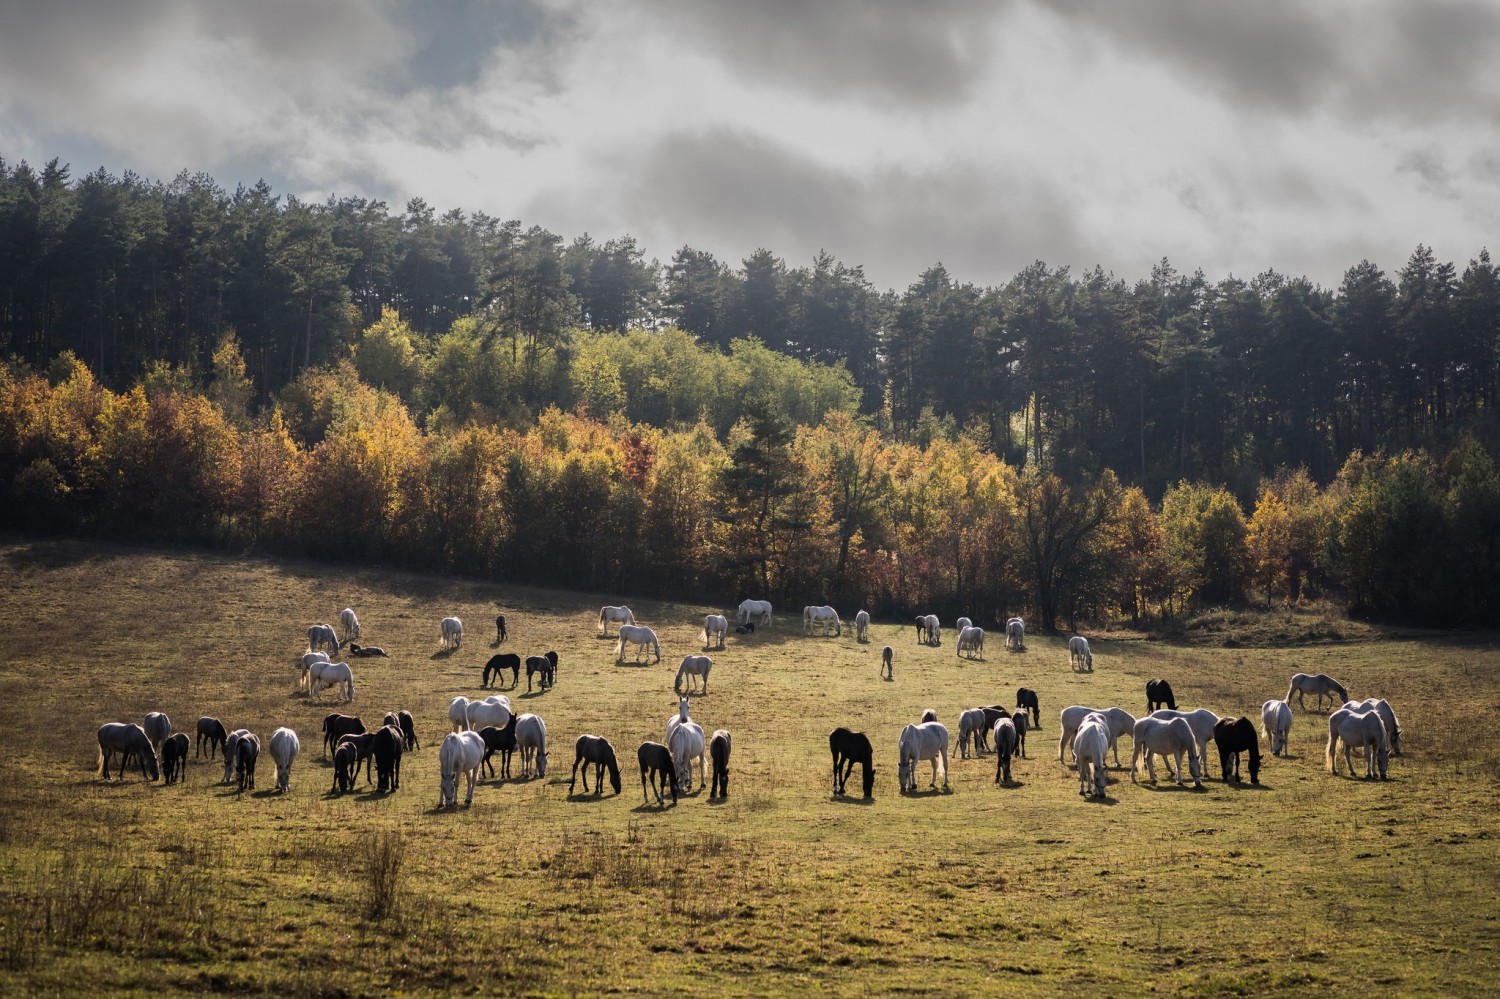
[[1308, 883]]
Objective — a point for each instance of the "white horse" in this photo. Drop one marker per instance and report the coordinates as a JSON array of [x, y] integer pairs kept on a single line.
[[715, 628], [927, 741], [531, 740], [1015, 634], [284, 748], [349, 621], [693, 666], [862, 627], [931, 631], [639, 637], [680, 718], [616, 615], [322, 636], [451, 632], [1315, 683], [757, 611], [492, 710], [322, 675], [458, 713], [970, 726], [461, 752], [1079, 657], [1276, 725], [1387, 714], [232, 752], [686, 742], [1091, 745], [1201, 721], [1118, 722], [306, 664], [1365, 729], [821, 618], [157, 727], [962, 623], [971, 640], [1168, 738]]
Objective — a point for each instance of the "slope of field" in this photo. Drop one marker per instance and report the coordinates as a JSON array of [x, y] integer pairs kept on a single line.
[[1308, 882]]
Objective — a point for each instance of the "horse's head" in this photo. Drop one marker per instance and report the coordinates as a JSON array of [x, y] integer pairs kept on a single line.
[[869, 774]]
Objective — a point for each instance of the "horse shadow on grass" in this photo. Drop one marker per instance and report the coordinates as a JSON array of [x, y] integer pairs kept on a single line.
[[364, 797], [1235, 785], [631, 664], [847, 799], [442, 654], [651, 808], [1171, 786], [929, 792]]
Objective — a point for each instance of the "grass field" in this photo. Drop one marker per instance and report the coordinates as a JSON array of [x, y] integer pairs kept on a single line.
[[1309, 883]]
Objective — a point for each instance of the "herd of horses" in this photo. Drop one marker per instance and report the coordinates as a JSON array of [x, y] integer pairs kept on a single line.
[[482, 727]]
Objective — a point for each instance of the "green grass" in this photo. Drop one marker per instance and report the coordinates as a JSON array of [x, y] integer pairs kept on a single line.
[[1309, 884]]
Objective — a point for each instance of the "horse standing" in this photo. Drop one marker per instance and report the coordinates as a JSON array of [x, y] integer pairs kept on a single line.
[[1004, 732], [927, 741], [887, 664], [822, 619], [1080, 659], [349, 621], [1201, 721], [970, 724], [1276, 725], [1387, 714], [1159, 695], [715, 629], [1022, 724], [1234, 737], [616, 615], [546, 665], [929, 630], [451, 633], [1117, 720], [490, 711], [321, 636], [693, 667], [460, 753], [157, 727], [386, 749], [1320, 684], [128, 739], [1168, 738], [849, 748], [336, 726], [1090, 746], [210, 732], [232, 753], [531, 740], [246, 753], [862, 627], [595, 751], [687, 743], [500, 633], [345, 765], [656, 760], [502, 741], [408, 726], [307, 661], [174, 750], [640, 637], [971, 640], [1015, 635], [718, 752], [330, 675], [1026, 700], [284, 747], [1358, 728], [754, 611], [498, 664]]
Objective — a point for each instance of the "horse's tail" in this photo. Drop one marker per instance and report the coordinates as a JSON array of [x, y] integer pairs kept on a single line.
[[1291, 689], [1329, 758], [620, 648], [100, 762], [601, 620], [351, 685]]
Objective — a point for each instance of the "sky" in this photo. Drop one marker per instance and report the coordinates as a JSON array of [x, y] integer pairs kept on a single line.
[[1233, 136]]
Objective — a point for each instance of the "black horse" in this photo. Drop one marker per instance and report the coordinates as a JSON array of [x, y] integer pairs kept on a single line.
[[546, 665], [1026, 699], [211, 733], [1022, 723], [364, 748], [849, 748], [336, 726], [386, 748], [992, 714], [748, 628], [498, 664], [345, 763], [502, 741], [718, 751], [1005, 748], [656, 760], [174, 758], [246, 752], [499, 628], [1233, 737], [408, 726], [595, 751], [368, 651], [1159, 695]]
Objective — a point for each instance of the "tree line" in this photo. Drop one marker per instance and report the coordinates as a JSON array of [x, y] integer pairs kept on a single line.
[[1165, 378], [825, 507]]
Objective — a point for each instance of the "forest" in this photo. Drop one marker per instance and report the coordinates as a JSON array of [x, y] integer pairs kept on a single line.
[[461, 393]]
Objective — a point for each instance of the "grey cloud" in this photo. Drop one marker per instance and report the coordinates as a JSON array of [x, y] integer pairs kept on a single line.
[[1430, 172]]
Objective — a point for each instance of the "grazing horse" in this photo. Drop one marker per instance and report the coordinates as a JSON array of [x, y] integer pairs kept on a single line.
[[210, 732], [1159, 695], [451, 633], [1015, 634], [336, 726], [962, 623], [1080, 659], [1022, 724], [458, 713], [1026, 700], [364, 749], [718, 752], [1091, 745], [345, 765], [322, 636], [157, 727], [1004, 732], [1321, 684], [174, 750], [306, 664], [862, 627], [1358, 728], [408, 726], [693, 666], [927, 741], [232, 752], [929, 631], [849, 748], [531, 740], [992, 714], [754, 612], [128, 739], [387, 752], [1168, 738], [368, 651], [887, 665], [656, 760], [687, 743], [246, 752], [284, 747], [971, 640], [1201, 721], [595, 750], [822, 619], [971, 724], [715, 628], [616, 615], [349, 621], [1118, 722], [1387, 714], [499, 664], [460, 753], [640, 637], [546, 665], [330, 675], [1234, 737], [500, 633], [490, 711], [502, 741], [1276, 725]]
